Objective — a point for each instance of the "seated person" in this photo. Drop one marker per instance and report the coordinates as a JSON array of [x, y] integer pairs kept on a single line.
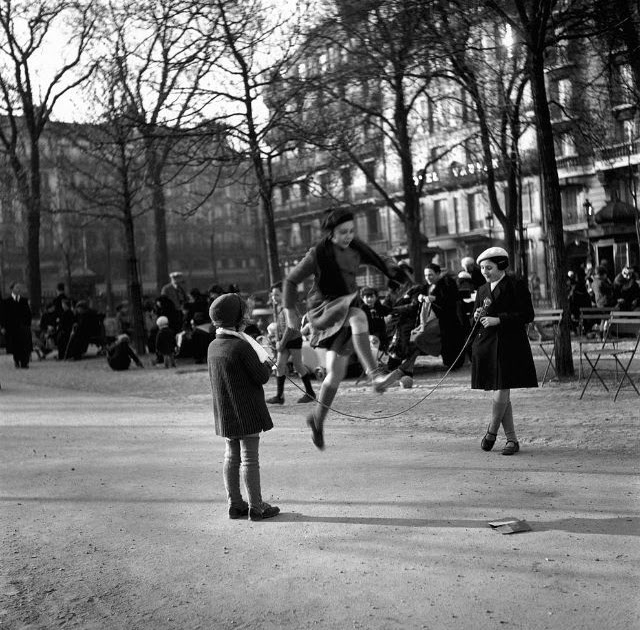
[[120, 354], [376, 313], [201, 337]]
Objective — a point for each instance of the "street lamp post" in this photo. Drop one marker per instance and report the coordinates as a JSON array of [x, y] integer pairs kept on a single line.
[[588, 213]]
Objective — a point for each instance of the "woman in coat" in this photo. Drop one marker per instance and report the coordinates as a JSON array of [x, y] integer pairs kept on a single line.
[[501, 356]]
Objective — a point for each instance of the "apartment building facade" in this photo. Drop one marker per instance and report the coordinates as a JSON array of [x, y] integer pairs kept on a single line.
[[595, 119]]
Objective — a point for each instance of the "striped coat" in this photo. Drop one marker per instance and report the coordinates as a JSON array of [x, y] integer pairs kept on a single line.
[[237, 377]]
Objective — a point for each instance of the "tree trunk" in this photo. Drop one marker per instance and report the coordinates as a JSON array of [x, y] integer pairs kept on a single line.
[[557, 264], [29, 187], [158, 201], [133, 280], [416, 237], [271, 243]]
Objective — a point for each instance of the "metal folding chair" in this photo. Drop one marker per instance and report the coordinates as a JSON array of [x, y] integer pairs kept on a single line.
[[620, 322], [543, 318], [590, 316]]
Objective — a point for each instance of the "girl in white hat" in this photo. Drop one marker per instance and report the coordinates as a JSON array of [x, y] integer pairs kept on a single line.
[[501, 353]]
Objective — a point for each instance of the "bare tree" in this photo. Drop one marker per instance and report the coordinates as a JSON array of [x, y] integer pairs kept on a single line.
[[106, 170], [28, 96], [163, 52], [492, 72], [260, 47], [539, 25], [363, 100]]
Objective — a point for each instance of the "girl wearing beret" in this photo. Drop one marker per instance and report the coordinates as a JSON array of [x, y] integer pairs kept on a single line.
[[501, 353], [337, 320]]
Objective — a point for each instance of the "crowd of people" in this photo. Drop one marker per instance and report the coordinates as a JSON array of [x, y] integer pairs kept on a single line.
[[176, 325], [593, 287]]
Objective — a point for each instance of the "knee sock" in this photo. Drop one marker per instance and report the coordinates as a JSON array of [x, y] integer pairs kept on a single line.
[[306, 380], [280, 386], [321, 409], [363, 350], [250, 468], [496, 416], [507, 424]]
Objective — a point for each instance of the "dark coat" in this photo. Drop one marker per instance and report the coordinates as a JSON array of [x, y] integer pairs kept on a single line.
[[16, 320], [120, 355], [501, 355], [165, 341], [237, 376], [447, 298]]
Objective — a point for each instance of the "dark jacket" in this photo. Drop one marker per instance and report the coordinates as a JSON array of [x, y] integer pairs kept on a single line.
[[120, 355], [16, 320], [165, 341], [501, 355], [237, 376], [447, 298]]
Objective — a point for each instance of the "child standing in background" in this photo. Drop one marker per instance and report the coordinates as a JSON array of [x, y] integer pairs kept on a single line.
[[288, 345], [238, 369], [166, 342]]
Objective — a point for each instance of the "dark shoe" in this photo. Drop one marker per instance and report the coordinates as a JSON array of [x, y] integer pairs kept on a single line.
[[268, 511], [276, 400], [511, 448], [488, 441], [316, 434], [307, 398], [235, 513]]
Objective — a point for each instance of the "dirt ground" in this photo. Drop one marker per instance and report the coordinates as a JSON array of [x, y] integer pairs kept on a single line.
[[114, 515]]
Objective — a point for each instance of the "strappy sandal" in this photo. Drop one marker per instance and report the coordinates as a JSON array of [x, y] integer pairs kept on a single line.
[[487, 443], [511, 447]]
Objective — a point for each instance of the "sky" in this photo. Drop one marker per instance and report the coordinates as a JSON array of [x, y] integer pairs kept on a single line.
[[55, 51]]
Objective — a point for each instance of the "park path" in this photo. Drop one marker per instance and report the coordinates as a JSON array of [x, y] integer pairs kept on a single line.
[[113, 512]]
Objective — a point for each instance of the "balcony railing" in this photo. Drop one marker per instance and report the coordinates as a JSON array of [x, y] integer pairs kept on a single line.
[[618, 151], [572, 161]]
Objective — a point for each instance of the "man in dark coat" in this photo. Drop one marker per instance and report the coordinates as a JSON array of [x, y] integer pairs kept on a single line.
[[441, 291], [16, 322]]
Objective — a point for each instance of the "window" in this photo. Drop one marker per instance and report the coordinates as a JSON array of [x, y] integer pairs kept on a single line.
[[325, 181], [569, 200], [626, 130], [373, 226], [475, 207], [565, 145], [286, 193], [440, 215], [565, 91], [370, 173], [622, 86]]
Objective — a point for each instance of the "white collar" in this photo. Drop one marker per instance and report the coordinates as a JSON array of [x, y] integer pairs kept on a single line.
[[258, 349]]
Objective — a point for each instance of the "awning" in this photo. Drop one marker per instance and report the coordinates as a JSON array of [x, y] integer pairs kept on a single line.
[[616, 212]]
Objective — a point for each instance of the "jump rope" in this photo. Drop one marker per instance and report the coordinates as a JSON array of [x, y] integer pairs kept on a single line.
[[485, 306]]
